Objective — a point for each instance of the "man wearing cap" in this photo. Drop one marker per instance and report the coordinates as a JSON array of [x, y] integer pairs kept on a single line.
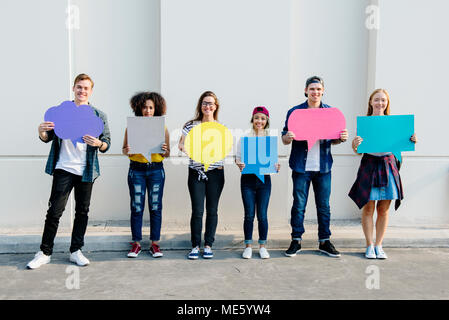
[[314, 167]]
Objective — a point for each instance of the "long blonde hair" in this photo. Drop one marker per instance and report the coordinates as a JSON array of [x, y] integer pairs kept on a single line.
[[370, 107]]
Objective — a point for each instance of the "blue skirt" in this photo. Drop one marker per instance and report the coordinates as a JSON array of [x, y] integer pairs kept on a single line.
[[388, 192]]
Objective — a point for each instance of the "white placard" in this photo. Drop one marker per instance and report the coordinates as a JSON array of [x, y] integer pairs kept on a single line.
[[146, 135]]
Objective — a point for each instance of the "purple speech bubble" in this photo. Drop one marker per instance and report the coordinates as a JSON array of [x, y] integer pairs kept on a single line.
[[316, 123], [73, 122]]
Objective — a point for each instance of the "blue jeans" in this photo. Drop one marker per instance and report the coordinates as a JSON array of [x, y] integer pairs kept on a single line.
[[143, 177], [255, 195], [321, 183]]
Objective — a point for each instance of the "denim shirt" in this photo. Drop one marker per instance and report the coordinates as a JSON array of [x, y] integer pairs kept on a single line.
[[92, 169], [298, 154]]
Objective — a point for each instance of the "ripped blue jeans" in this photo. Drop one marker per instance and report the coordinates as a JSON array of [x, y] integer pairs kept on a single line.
[[146, 178]]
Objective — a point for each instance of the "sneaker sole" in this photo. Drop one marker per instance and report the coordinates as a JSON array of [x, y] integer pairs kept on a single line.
[[157, 255], [32, 268], [330, 254], [193, 258], [208, 257], [292, 254], [80, 265], [132, 255]]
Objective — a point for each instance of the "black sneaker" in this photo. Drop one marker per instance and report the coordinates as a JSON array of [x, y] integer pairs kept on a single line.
[[295, 247], [328, 248]]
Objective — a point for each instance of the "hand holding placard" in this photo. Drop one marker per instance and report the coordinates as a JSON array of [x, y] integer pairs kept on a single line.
[[386, 134], [260, 156], [316, 123], [73, 122], [208, 143], [146, 135]]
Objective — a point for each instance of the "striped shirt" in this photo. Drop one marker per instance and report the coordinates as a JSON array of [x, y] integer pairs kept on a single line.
[[199, 167]]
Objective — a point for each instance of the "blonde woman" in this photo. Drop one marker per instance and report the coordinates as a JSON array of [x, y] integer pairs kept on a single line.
[[378, 182]]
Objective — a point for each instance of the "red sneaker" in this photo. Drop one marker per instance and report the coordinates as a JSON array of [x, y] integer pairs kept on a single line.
[[135, 250], [155, 250]]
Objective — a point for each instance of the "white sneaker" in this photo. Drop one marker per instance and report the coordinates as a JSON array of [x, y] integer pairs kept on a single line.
[[39, 259], [78, 258], [264, 253], [369, 253], [194, 254], [247, 253], [380, 254], [207, 253]]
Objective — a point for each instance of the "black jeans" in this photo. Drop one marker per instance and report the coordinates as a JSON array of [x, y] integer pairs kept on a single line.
[[63, 183], [211, 190]]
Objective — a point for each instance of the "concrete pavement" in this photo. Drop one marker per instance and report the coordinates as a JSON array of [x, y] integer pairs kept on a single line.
[[417, 267], [408, 273]]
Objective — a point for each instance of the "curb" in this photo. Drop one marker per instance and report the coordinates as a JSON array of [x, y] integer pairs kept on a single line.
[[118, 238]]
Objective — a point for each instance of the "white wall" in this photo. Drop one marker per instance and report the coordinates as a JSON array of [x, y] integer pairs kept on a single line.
[[249, 53], [412, 65]]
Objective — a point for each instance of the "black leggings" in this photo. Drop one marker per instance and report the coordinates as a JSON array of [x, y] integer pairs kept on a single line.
[[199, 190]]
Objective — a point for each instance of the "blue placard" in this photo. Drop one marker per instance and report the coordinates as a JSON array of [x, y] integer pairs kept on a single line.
[[260, 155], [386, 134]]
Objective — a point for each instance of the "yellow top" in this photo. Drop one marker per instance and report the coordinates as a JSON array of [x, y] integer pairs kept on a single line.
[[155, 157]]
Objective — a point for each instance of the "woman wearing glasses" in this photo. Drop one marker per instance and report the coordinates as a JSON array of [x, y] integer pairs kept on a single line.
[[203, 184]]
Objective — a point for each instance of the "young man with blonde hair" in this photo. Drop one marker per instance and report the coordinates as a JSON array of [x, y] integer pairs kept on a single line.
[[72, 167]]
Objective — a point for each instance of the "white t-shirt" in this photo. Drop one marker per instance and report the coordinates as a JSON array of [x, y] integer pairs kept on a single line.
[[313, 158], [72, 159]]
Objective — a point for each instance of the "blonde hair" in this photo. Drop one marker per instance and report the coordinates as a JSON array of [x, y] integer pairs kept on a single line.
[[370, 107]]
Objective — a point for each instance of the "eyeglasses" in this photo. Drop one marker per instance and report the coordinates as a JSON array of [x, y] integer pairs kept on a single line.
[[207, 104]]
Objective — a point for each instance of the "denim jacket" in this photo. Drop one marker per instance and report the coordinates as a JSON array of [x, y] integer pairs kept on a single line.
[[92, 170], [298, 154]]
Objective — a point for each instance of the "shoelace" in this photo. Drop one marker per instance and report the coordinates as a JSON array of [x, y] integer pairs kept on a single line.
[[134, 247]]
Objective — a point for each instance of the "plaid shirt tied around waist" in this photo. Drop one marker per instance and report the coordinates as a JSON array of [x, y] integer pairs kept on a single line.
[[373, 172]]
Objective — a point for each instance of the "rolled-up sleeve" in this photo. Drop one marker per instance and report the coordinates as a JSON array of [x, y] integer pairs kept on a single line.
[[105, 136]]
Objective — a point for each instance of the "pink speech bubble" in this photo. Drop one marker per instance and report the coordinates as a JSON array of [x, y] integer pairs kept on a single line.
[[316, 123]]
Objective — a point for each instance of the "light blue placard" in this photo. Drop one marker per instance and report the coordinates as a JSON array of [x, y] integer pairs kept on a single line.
[[260, 155], [386, 134]]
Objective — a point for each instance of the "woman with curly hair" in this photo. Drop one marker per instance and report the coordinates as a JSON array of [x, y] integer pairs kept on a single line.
[[146, 175]]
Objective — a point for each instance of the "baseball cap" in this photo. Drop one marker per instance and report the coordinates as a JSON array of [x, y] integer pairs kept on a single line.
[[261, 109]]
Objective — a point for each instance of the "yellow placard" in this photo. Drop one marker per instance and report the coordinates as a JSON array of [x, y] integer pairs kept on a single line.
[[208, 143]]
